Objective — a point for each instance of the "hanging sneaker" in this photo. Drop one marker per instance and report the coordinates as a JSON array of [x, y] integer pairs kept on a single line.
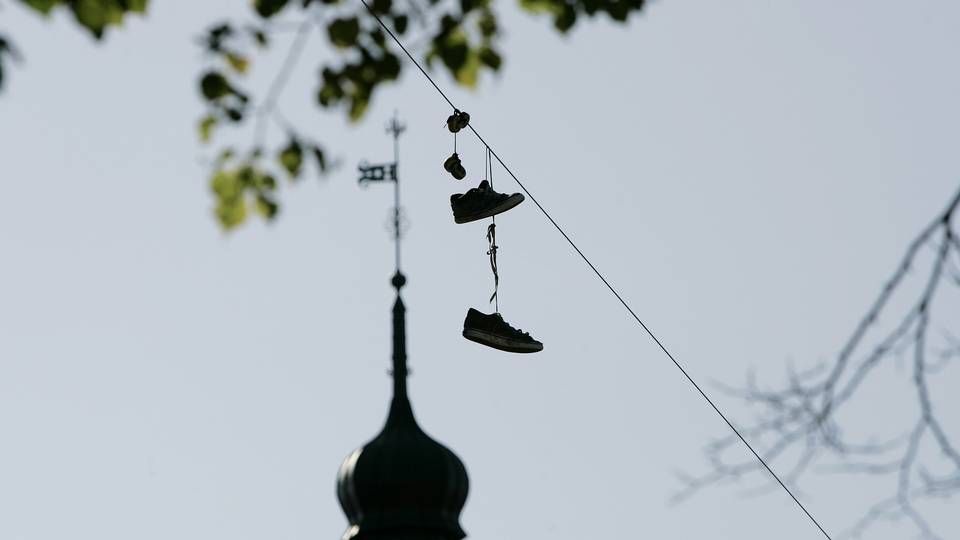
[[457, 121], [492, 331], [481, 202], [454, 167]]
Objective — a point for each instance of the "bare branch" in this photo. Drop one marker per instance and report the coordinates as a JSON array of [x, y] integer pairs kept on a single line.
[[798, 430]]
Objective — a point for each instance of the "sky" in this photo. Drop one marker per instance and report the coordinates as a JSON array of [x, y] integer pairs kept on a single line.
[[747, 174]]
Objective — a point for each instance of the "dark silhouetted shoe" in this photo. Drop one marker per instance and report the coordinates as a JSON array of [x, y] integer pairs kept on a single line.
[[481, 202], [492, 331], [457, 121], [454, 167]]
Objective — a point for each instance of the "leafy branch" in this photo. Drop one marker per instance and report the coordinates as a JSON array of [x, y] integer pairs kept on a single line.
[[462, 37]]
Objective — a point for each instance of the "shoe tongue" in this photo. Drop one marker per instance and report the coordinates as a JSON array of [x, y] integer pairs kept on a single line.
[[484, 185]]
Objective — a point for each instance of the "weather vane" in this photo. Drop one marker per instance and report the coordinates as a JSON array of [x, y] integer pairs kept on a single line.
[[387, 172]]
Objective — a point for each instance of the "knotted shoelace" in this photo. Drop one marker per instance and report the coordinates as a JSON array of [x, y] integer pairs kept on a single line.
[[492, 252]]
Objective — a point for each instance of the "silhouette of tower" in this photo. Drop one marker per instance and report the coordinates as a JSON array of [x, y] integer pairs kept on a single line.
[[402, 485]]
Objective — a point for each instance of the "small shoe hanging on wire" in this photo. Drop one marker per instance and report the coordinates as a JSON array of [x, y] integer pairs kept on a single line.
[[492, 330], [454, 167], [457, 121]]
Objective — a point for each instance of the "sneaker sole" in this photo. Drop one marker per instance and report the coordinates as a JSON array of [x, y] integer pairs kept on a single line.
[[501, 343], [507, 204]]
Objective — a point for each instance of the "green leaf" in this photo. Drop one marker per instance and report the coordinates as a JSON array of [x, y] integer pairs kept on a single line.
[[400, 23], [266, 206], [269, 8], [454, 50], [487, 24], [260, 37], [207, 123], [448, 23], [7, 48], [490, 58], [469, 72], [619, 11], [291, 158], [43, 6], [344, 32], [93, 15], [214, 86], [216, 36], [239, 63], [329, 93], [226, 185], [224, 156], [358, 106], [319, 157], [565, 20], [541, 6], [379, 38], [388, 67], [234, 114], [246, 176], [135, 6], [231, 214], [265, 182]]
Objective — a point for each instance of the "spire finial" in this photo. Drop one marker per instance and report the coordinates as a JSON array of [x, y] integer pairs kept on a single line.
[[398, 281], [381, 173], [395, 128]]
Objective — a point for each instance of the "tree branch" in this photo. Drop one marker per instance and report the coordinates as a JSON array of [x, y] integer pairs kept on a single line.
[[798, 427]]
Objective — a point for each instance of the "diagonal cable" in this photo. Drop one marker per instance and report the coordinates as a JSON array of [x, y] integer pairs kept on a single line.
[[649, 332]]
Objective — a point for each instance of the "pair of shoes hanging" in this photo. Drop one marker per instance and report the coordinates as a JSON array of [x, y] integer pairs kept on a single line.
[[479, 203], [457, 121]]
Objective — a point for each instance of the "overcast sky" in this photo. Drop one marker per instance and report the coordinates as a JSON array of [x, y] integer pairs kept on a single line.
[[747, 173]]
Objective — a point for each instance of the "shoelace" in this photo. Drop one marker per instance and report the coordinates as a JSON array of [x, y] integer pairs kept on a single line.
[[492, 252], [505, 323]]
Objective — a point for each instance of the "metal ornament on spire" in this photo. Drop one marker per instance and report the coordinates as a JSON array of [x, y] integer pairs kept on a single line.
[[388, 172], [385, 173]]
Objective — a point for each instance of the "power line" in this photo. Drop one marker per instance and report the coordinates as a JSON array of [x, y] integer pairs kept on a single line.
[[605, 282]]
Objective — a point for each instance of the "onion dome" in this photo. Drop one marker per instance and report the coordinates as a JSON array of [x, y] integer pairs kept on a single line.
[[402, 485]]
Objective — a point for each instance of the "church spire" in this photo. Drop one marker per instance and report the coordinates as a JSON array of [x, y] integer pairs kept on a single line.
[[402, 484]]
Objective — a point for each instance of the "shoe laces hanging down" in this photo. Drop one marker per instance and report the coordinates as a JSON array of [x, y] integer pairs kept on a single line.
[[492, 237], [492, 252]]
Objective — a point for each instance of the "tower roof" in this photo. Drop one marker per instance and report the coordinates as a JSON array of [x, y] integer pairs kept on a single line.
[[402, 485]]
